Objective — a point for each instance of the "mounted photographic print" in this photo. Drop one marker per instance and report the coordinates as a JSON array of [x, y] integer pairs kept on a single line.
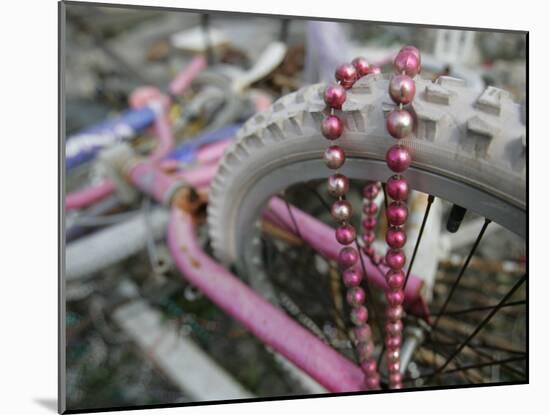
[[260, 206]]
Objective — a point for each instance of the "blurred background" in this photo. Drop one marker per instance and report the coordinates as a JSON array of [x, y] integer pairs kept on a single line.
[[109, 52]]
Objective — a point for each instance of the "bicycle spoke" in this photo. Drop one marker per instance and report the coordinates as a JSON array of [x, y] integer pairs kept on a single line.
[[385, 196], [483, 308], [481, 325], [481, 346], [472, 366], [475, 349], [318, 196], [419, 238], [461, 273], [293, 219]]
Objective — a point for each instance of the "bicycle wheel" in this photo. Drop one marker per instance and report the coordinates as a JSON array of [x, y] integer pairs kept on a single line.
[[468, 149]]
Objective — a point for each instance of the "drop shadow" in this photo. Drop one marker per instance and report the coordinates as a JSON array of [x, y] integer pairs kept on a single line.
[[48, 403]]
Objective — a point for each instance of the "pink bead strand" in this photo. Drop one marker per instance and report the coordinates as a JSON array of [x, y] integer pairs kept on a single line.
[[400, 124], [332, 128]]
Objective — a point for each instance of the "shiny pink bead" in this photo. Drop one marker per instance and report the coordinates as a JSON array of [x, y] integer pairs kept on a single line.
[[352, 277], [375, 70], [397, 188], [395, 298], [369, 366], [394, 313], [396, 238], [364, 349], [397, 213], [348, 257], [412, 49], [395, 258], [370, 208], [398, 158], [393, 342], [337, 185], [369, 223], [395, 278], [335, 96], [359, 315], [346, 74], [392, 355], [399, 123], [332, 127], [393, 367], [373, 382], [341, 210], [334, 157], [345, 234], [402, 89], [394, 328], [407, 62], [361, 66], [368, 237], [370, 191], [397, 386], [355, 296], [394, 378], [362, 333]]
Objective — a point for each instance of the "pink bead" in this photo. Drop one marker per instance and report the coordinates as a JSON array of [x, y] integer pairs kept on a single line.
[[370, 208], [395, 278], [392, 355], [399, 123], [397, 213], [394, 313], [375, 70], [395, 258], [396, 237], [337, 185], [355, 296], [373, 382], [335, 96], [369, 223], [368, 237], [341, 210], [393, 342], [346, 74], [362, 333], [369, 366], [393, 367], [364, 349], [407, 62], [361, 66], [394, 328], [334, 157], [402, 89], [395, 378], [395, 298], [332, 127], [348, 257], [412, 49], [397, 188], [345, 234], [352, 277], [370, 191], [359, 315], [398, 158]]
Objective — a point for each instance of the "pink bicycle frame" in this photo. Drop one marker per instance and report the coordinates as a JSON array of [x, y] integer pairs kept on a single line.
[[271, 325]]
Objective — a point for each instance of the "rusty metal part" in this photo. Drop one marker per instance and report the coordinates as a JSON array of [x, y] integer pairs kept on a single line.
[[281, 234]]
